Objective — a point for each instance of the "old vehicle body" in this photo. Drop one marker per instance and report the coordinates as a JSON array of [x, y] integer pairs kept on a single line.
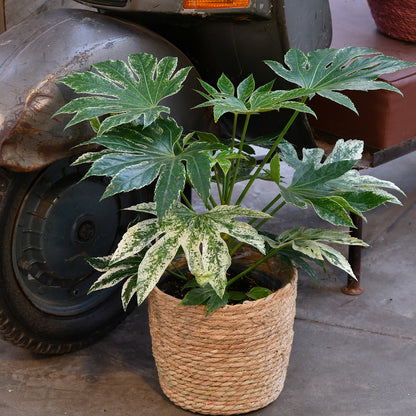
[[49, 220]]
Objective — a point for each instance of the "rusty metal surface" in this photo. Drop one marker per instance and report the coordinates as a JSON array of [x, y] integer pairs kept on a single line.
[[353, 286], [2, 17], [35, 54]]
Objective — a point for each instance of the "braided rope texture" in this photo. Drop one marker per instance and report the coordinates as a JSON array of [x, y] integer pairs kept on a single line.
[[233, 361], [395, 18]]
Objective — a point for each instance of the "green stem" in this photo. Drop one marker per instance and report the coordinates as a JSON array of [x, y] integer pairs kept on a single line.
[[237, 164], [255, 265], [265, 209], [179, 275], [260, 224], [269, 155], [226, 182], [213, 202], [234, 131], [217, 181], [186, 201]]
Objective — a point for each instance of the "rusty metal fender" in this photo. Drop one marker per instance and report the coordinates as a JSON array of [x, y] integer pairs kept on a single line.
[[35, 54]]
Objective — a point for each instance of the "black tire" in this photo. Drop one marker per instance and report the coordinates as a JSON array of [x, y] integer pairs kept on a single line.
[[49, 223]]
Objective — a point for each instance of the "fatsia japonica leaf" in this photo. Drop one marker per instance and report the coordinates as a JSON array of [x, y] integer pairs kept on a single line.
[[331, 187], [125, 91], [327, 71], [299, 245], [115, 274], [200, 237], [245, 99], [135, 156], [205, 295]]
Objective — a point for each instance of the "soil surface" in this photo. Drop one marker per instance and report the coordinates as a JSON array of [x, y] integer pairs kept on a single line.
[[174, 286]]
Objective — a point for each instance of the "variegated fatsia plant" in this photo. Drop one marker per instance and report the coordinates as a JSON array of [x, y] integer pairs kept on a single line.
[[141, 145]]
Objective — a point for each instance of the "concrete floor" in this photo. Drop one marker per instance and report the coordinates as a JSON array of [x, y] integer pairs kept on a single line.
[[352, 356]]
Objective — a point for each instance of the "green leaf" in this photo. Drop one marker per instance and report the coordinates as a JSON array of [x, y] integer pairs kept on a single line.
[[190, 284], [153, 244], [125, 92], [171, 182], [99, 263], [331, 187], [207, 137], [136, 238], [248, 100], [298, 244], [259, 292], [329, 209], [275, 168], [225, 85], [205, 296], [197, 296], [156, 260], [136, 156], [236, 295], [294, 105], [215, 302], [326, 71], [223, 159], [95, 124], [128, 291], [115, 273], [246, 88]]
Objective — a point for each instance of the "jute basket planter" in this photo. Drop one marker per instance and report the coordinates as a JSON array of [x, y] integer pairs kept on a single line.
[[231, 362]]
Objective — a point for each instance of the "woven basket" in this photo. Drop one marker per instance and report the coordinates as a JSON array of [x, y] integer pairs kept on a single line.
[[231, 362], [395, 18]]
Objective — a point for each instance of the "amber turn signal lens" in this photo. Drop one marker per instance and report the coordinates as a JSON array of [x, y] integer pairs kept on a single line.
[[214, 4]]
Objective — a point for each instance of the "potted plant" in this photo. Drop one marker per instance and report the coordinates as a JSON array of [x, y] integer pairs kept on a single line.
[[222, 335]]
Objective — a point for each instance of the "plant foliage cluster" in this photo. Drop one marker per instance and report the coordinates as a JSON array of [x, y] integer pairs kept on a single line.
[[142, 145]]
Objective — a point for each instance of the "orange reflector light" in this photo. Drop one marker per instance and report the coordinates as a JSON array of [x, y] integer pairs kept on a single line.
[[214, 4]]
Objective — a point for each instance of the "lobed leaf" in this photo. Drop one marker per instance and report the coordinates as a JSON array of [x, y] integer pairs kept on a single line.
[[326, 71], [331, 187], [125, 91], [301, 246]]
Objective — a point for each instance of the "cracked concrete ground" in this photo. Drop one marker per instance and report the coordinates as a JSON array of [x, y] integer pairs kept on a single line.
[[352, 356]]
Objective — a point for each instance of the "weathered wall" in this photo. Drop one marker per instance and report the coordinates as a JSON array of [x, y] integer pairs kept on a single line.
[[17, 10]]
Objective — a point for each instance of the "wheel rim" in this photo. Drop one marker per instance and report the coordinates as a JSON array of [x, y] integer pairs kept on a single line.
[[61, 222]]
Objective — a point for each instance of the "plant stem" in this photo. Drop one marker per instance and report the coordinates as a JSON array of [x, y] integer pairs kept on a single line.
[[269, 154], [234, 131], [226, 181], [217, 181], [260, 224], [213, 202], [186, 201], [265, 209], [178, 275], [237, 164], [255, 265]]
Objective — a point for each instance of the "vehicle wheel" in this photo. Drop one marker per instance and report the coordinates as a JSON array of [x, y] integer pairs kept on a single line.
[[50, 222]]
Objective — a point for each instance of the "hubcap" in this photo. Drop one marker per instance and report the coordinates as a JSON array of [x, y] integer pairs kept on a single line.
[[61, 222]]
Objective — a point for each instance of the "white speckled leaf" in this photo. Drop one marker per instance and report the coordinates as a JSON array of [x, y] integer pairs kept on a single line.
[[128, 290], [136, 238], [127, 92], [332, 187], [155, 262]]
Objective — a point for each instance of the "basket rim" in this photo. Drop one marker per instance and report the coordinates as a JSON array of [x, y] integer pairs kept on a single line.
[[282, 291]]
